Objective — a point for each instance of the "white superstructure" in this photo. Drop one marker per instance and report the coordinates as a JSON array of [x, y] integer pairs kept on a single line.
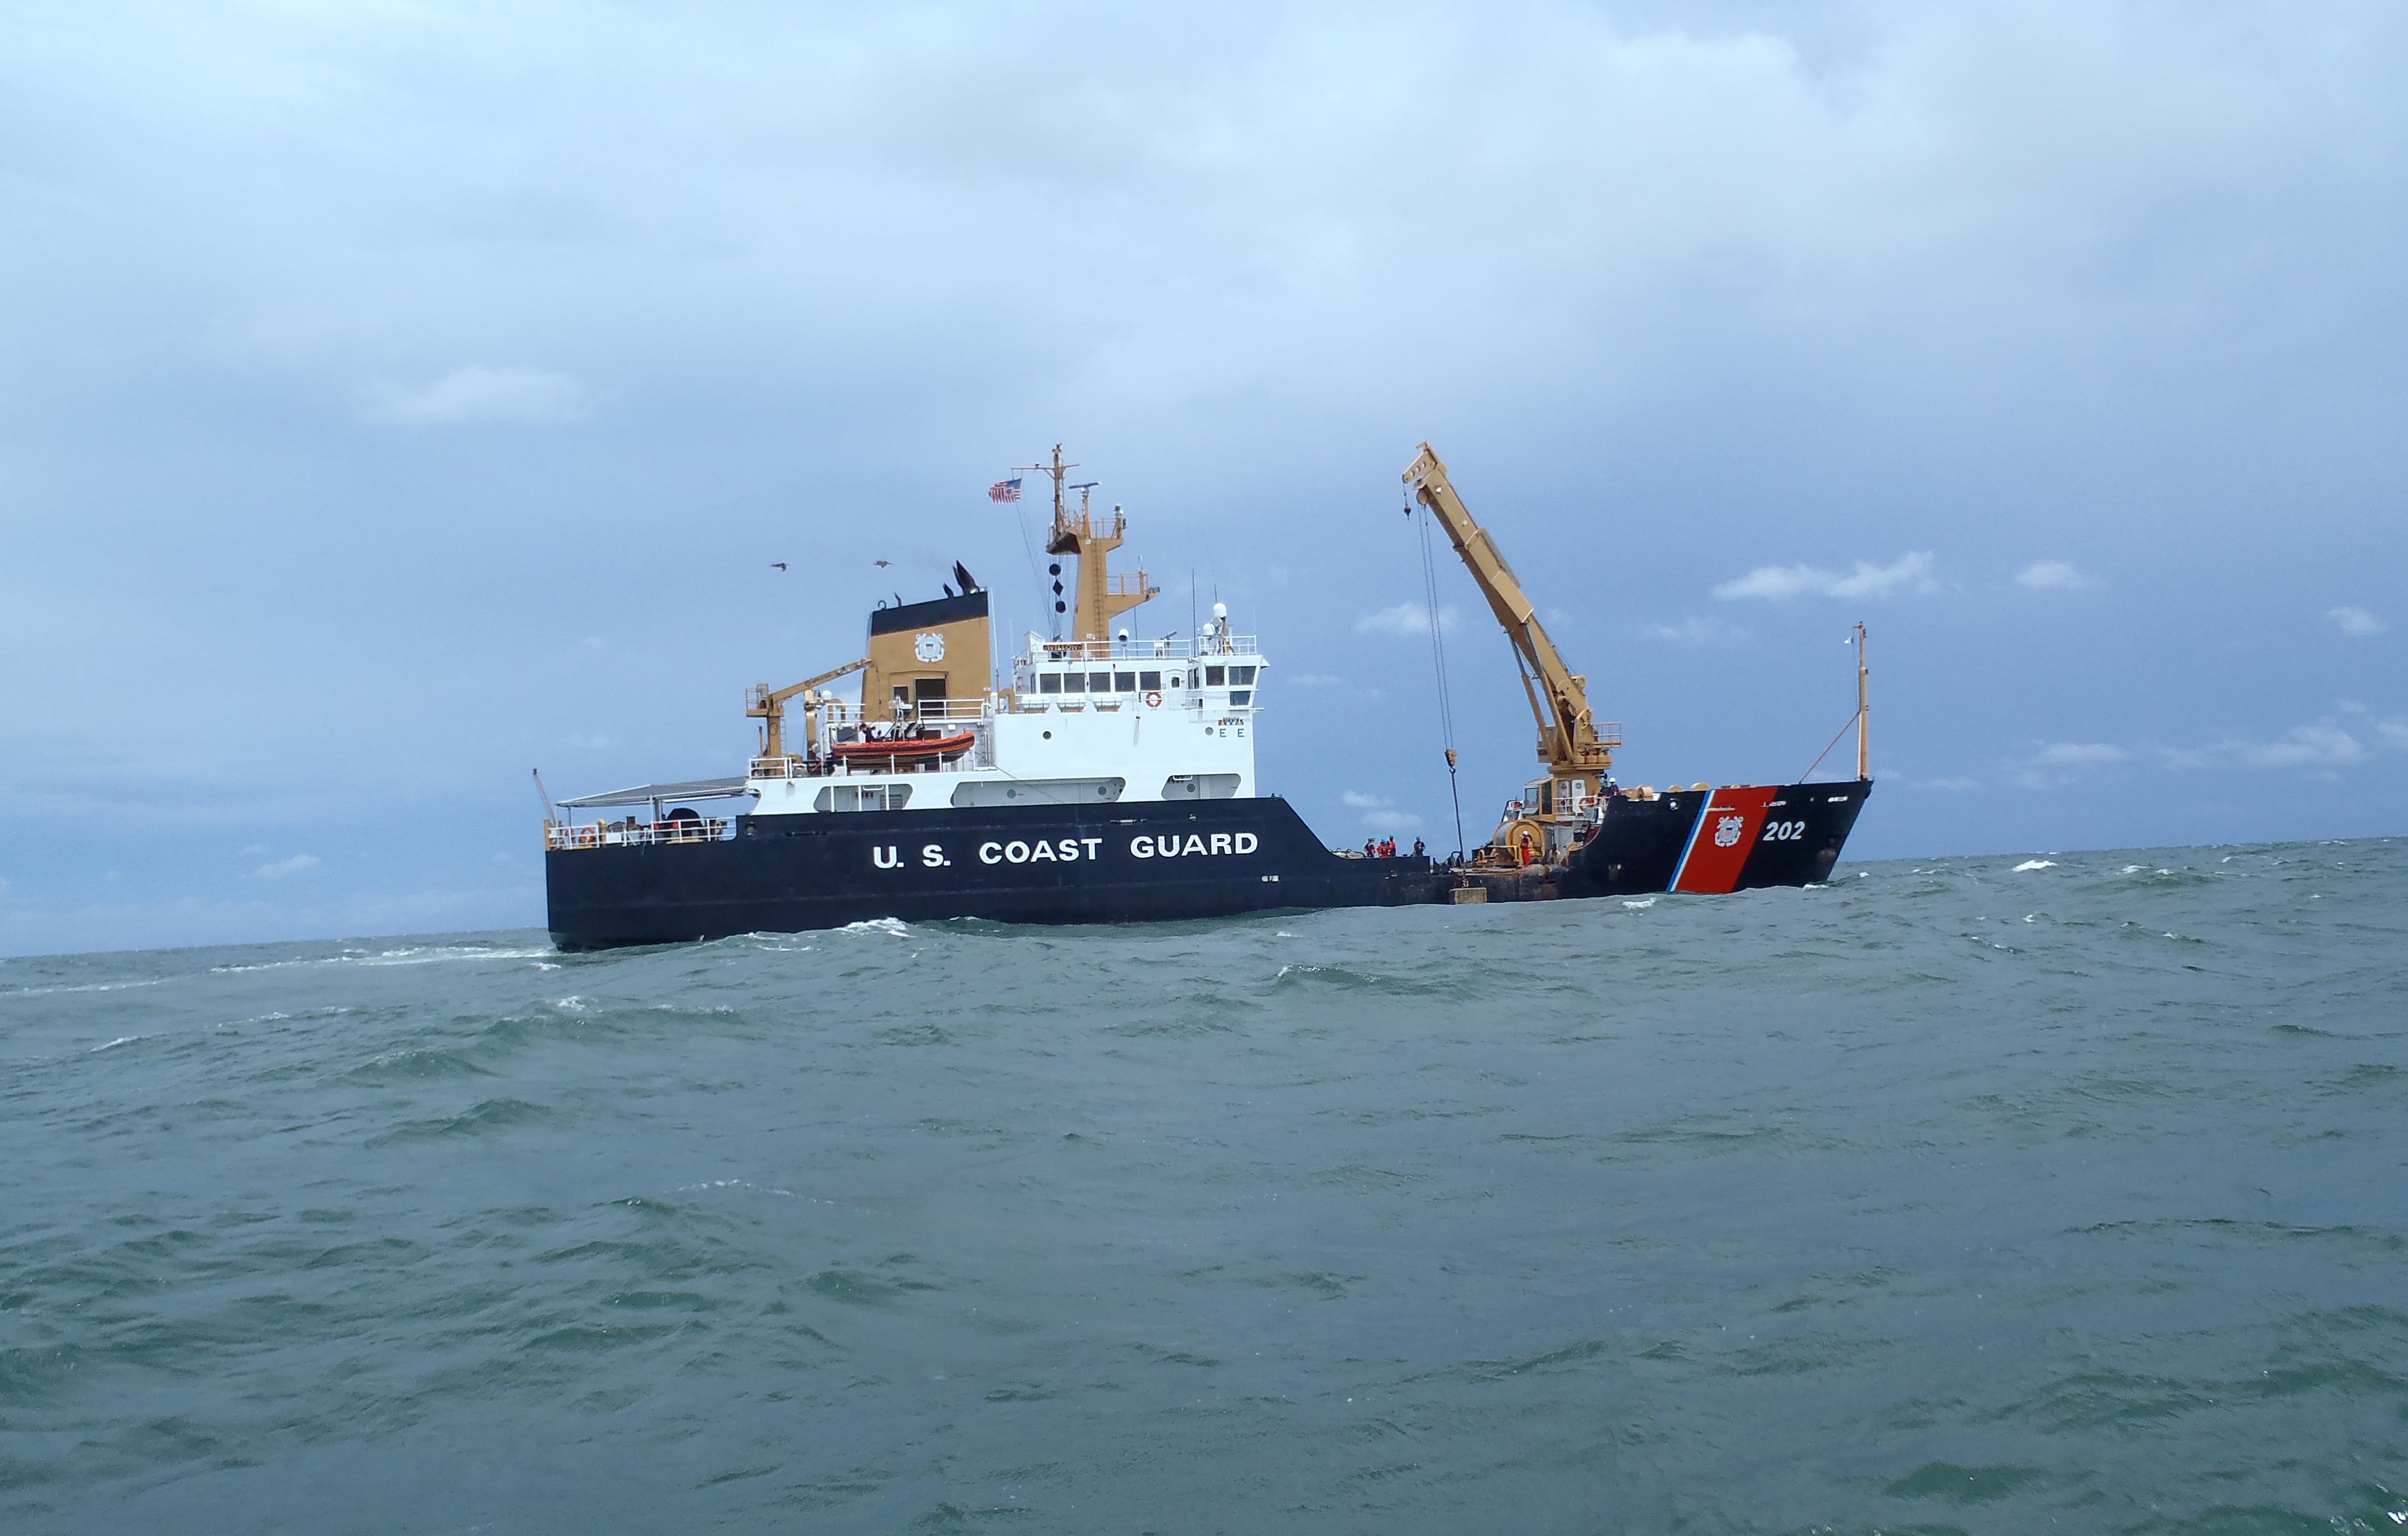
[[1082, 722]]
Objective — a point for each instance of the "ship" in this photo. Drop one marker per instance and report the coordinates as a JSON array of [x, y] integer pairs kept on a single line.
[[1102, 777]]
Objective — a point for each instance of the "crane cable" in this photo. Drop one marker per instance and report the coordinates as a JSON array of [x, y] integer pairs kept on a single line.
[[1438, 663]]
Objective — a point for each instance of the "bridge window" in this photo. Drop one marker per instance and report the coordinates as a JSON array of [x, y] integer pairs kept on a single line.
[[1215, 676], [1150, 681], [1241, 695], [1099, 682], [1123, 682], [1074, 682], [1241, 676], [1048, 682]]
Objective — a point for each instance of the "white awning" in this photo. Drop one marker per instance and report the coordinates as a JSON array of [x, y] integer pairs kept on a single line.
[[647, 794]]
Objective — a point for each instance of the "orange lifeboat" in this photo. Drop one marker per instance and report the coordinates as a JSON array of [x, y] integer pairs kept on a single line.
[[906, 752]]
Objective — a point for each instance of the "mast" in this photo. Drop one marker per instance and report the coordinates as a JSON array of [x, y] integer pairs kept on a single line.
[[1864, 711], [1570, 741], [1100, 598]]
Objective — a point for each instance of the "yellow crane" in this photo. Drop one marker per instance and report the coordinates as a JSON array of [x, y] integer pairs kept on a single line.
[[1576, 750], [767, 705]]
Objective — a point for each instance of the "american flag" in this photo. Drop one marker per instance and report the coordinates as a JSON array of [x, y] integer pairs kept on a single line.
[[1004, 490]]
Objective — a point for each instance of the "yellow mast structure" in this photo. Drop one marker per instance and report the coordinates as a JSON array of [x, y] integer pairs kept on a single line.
[[1101, 598], [765, 704], [1571, 744]]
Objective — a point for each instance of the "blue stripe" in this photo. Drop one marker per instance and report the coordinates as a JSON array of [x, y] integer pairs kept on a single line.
[[1690, 847]]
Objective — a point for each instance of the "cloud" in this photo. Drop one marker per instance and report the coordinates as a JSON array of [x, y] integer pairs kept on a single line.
[[477, 395], [1949, 786], [2356, 621], [1697, 632], [300, 864], [1404, 619], [2396, 732], [1380, 814], [1312, 680], [2053, 575], [1909, 573], [2323, 744], [2056, 763], [2074, 754]]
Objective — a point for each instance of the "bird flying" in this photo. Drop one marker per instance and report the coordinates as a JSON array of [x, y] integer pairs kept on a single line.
[[776, 564]]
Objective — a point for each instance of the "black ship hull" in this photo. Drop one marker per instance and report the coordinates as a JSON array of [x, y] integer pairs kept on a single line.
[[1153, 861], [1117, 863], [1710, 842]]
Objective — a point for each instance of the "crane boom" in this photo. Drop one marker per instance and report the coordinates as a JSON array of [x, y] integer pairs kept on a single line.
[[763, 702], [1569, 742]]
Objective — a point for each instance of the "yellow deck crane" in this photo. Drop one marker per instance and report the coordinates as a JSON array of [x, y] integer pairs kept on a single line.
[[765, 704], [1575, 747]]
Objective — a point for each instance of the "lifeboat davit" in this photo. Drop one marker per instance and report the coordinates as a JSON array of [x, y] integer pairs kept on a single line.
[[919, 751]]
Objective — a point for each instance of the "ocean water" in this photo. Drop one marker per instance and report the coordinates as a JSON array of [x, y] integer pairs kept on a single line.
[[1955, 1196]]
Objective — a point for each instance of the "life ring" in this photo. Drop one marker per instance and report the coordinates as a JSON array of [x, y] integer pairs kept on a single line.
[[1154, 701], [1588, 803]]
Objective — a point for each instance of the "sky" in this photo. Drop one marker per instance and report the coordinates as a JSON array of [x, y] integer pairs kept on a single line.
[[395, 398]]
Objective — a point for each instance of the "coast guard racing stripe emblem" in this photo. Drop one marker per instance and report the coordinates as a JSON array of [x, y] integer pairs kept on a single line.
[[1723, 838]]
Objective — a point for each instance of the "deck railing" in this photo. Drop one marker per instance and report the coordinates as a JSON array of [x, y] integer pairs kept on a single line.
[[933, 710], [1177, 647], [561, 835]]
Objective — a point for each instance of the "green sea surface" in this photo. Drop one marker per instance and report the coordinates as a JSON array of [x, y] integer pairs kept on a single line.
[[1955, 1196]]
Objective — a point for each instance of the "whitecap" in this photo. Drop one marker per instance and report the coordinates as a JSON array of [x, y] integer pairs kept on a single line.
[[87, 986], [412, 955], [120, 1040], [1640, 906], [2132, 869], [892, 927], [2035, 863]]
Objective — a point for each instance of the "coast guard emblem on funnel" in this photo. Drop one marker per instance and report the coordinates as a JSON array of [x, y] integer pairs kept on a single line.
[[928, 647], [1726, 831]]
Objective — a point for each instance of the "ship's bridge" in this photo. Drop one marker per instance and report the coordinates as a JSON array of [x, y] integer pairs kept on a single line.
[[1217, 669]]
